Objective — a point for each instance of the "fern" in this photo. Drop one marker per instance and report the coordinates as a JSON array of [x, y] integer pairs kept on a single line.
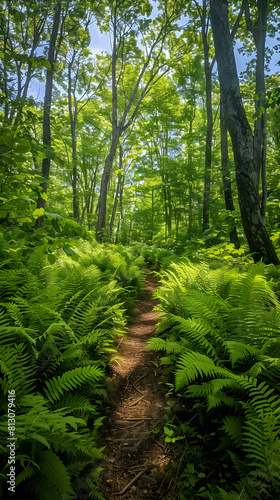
[[226, 323], [57, 327], [233, 426], [239, 351], [70, 380], [159, 344]]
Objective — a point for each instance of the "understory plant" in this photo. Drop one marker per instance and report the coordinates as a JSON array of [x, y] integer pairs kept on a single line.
[[57, 329], [219, 335]]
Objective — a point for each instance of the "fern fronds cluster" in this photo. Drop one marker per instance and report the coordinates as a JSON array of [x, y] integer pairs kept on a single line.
[[58, 324], [220, 335]]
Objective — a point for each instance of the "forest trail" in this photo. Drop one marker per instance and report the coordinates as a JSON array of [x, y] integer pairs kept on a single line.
[[137, 461]]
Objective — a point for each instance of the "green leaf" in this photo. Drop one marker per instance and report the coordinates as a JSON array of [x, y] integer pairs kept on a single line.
[[22, 146], [20, 177], [19, 16], [7, 140], [75, 257], [41, 440], [53, 216], [51, 258], [68, 250], [169, 432], [46, 64], [55, 225], [49, 153], [39, 212]]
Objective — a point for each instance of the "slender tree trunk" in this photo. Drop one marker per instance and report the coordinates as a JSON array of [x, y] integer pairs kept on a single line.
[[38, 29], [73, 123], [209, 133], [152, 214], [127, 117], [118, 189], [101, 223], [47, 107], [226, 173], [169, 206], [92, 195], [258, 31], [190, 166], [190, 211], [242, 138], [260, 123], [116, 134], [208, 150]]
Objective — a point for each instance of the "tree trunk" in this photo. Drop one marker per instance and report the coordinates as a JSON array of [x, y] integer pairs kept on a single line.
[[258, 31], [47, 107], [226, 173], [118, 189], [242, 138], [116, 134], [121, 30], [101, 222], [209, 133], [190, 166], [73, 122]]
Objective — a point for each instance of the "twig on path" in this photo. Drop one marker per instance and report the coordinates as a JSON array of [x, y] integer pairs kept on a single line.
[[136, 388], [164, 447], [120, 342], [126, 383], [141, 378], [135, 402], [137, 423], [131, 482]]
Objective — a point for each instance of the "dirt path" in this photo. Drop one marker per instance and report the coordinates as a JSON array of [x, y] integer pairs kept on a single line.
[[137, 407]]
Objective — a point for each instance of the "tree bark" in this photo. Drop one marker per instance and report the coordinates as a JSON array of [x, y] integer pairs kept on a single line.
[[258, 30], [47, 107], [73, 122], [118, 189], [209, 114], [226, 173], [242, 138], [116, 134]]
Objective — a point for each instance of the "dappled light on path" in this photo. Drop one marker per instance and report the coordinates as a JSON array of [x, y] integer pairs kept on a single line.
[[137, 461]]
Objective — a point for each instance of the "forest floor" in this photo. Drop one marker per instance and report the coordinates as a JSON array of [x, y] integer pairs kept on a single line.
[[136, 460]]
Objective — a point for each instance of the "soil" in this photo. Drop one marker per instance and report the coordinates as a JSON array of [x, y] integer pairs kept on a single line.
[[136, 461]]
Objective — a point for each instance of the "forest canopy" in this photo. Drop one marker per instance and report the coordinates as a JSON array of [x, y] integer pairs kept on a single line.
[[158, 139]]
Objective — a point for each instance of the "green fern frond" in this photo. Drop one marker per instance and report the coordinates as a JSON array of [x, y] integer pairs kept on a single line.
[[202, 335], [233, 495], [238, 351], [70, 380], [233, 425], [193, 365], [78, 403], [28, 472], [158, 344], [16, 366], [54, 478]]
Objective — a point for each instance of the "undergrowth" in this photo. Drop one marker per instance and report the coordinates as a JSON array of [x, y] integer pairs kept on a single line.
[[220, 345], [57, 329]]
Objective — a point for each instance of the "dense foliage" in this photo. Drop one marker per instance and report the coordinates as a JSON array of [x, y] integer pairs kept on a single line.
[[58, 325], [135, 122], [219, 333]]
